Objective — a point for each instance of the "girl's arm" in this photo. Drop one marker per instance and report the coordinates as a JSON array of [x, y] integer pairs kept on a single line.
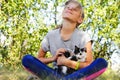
[[41, 55]]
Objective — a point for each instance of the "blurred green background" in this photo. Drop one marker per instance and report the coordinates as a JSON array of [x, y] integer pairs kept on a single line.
[[24, 23]]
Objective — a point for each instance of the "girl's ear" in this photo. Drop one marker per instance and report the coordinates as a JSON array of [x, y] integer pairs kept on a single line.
[[80, 20]]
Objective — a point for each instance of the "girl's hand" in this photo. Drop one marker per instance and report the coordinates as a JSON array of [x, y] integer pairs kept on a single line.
[[59, 53], [61, 60]]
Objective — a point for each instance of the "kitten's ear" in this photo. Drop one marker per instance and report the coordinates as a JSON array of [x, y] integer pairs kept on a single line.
[[76, 47], [76, 50], [83, 49]]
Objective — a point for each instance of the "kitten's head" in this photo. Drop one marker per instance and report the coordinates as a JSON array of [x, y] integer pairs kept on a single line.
[[67, 54], [80, 53]]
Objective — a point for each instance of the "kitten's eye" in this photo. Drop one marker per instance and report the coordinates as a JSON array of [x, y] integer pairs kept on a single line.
[[80, 53], [82, 50]]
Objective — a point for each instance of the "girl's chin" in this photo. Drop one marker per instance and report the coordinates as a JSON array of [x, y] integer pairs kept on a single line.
[[68, 19], [66, 16]]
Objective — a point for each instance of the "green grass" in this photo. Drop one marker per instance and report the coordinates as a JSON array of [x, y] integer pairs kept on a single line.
[[109, 75], [16, 74], [21, 74]]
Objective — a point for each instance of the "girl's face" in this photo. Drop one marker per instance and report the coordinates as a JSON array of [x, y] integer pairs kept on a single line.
[[72, 12]]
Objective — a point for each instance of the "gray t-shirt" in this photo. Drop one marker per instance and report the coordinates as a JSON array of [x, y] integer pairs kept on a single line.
[[53, 41]]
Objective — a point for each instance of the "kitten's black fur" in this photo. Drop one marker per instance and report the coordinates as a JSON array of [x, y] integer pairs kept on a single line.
[[76, 57]]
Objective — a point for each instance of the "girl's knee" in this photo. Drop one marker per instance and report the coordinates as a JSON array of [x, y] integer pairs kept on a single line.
[[27, 59]]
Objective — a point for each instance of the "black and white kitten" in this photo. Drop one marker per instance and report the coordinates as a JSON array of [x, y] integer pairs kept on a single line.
[[77, 55]]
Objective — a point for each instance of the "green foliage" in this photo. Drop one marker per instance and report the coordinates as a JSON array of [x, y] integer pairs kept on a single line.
[[103, 20], [22, 35], [22, 24]]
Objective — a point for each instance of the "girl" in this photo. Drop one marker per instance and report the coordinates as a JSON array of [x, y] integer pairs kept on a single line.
[[65, 38]]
